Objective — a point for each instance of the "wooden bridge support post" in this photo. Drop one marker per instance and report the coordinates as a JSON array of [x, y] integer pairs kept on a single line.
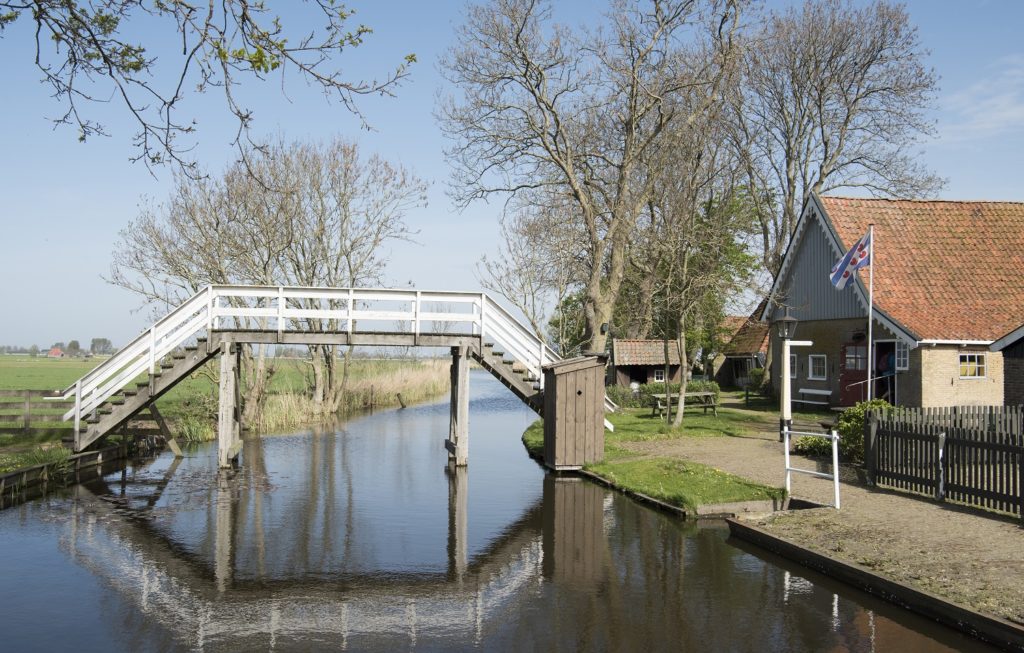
[[458, 430], [228, 440], [458, 521]]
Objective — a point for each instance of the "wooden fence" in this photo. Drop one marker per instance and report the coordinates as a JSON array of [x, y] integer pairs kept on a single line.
[[968, 454], [33, 413]]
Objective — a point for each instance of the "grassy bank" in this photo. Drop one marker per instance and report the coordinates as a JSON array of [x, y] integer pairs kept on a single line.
[[677, 482], [191, 405]]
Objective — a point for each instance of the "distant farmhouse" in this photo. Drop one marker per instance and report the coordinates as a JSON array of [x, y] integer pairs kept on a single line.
[[948, 303], [746, 349], [55, 352], [643, 361]]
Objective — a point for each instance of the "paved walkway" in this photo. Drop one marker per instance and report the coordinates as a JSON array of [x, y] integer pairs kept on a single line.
[[972, 559]]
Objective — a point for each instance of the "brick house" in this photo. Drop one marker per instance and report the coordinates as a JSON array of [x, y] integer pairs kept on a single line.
[[745, 350], [1011, 346], [947, 286], [643, 361]]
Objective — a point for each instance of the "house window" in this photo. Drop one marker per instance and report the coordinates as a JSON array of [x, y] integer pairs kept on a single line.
[[972, 366], [902, 356], [659, 375], [792, 366], [817, 367], [856, 357]]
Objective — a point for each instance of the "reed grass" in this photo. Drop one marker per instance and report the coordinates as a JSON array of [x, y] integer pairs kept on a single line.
[[371, 384]]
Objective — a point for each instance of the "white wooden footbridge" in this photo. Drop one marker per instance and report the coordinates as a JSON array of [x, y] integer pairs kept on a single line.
[[214, 321]]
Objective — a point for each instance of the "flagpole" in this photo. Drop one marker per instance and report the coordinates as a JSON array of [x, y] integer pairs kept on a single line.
[[871, 308]]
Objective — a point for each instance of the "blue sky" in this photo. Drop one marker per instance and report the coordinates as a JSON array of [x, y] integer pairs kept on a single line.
[[62, 203]]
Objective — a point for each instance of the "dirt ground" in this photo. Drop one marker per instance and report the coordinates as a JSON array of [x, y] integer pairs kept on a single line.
[[967, 557]]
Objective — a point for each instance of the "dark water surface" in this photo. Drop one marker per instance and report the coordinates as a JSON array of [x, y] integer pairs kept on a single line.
[[359, 538]]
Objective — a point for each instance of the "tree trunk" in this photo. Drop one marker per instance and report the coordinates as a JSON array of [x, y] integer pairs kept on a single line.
[[684, 370]]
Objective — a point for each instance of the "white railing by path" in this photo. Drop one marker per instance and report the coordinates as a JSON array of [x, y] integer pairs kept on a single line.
[[291, 309], [834, 476]]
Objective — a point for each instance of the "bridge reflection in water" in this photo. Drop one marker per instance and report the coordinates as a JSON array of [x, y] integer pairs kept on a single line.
[[362, 538]]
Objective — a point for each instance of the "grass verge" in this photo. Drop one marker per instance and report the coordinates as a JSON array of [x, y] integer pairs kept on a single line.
[[37, 456], [675, 481]]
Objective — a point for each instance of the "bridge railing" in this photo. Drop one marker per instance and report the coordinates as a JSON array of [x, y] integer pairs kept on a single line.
[[290, 309]]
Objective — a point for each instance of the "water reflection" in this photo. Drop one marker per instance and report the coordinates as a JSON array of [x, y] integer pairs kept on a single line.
[[363, 538]]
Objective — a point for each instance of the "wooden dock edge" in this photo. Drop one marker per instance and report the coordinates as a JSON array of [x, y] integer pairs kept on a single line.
[[15, 486], [988, 628]]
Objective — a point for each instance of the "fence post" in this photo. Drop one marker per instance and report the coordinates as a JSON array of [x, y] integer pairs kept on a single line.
[[28, 411], [870, 445], [940, 492], [1020, 480], [785, 449], [835, 465]]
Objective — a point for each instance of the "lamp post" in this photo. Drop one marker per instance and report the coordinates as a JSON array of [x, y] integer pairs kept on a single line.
[[787, 328]]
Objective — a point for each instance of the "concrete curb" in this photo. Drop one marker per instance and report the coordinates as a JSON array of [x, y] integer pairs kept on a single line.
[[988, 628]]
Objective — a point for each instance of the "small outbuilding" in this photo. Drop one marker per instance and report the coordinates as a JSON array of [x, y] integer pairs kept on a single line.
[[643, 361]]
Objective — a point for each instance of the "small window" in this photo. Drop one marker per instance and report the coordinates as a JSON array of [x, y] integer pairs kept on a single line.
[[902, 356], [856, 357], [659, 375], [792, 366], [972, 366], [817, 367]]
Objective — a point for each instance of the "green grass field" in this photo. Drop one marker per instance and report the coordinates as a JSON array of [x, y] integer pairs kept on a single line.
[[190, 406], [677, 482]]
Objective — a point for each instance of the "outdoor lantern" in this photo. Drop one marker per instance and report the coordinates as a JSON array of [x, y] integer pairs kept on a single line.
[[787, 326]]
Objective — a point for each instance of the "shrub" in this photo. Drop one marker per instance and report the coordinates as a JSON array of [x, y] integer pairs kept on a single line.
[[623, 396], [851, 434], [756, 376]]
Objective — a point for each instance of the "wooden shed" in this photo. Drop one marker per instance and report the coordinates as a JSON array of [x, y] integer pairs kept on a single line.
[[574, 412]]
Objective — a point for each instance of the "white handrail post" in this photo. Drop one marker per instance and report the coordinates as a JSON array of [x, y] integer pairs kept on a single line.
[[209, 311], [280, 312], [152, 350], [416, 318], [540, 364], [785, 439], [351, 310], [483, 305], [78, 412], [835, 466]]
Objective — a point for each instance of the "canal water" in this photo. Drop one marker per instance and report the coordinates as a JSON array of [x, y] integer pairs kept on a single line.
[[358, 537]]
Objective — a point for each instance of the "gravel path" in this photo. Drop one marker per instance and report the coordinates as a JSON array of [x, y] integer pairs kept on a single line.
[[970, 558]]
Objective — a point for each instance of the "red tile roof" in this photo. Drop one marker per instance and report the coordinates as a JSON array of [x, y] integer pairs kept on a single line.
[[945, 270], [643, 352], [749, 339]]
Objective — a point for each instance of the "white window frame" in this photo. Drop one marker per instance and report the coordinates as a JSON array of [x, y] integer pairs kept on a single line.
[[902, 356], [980, 364], [810, 367], [659, 371], [792, 366]]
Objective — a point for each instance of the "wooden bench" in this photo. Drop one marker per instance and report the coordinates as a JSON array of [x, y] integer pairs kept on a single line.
[[811, 392], [703, 400]]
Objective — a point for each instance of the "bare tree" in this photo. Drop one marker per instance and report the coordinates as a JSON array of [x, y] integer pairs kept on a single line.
[[834, 97], [102, 49], [579, 114], [322, 220], [537, 263]]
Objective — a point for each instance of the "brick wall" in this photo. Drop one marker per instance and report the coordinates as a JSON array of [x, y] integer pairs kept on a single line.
[[1013, 374], [828, 337], [941, 383]]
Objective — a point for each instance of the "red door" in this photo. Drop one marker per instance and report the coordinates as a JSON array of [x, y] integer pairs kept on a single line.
[[853, 374]]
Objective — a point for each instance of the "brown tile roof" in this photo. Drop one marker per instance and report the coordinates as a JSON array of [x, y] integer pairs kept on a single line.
[[749, 339], [945, 270], [643, 352]]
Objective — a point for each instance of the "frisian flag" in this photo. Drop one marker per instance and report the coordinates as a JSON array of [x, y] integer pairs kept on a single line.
[[859, 256]]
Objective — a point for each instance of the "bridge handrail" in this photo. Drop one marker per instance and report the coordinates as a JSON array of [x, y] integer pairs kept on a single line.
[[203, 311]]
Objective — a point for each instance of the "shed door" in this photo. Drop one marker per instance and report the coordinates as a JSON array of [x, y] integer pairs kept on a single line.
[[853, 374]]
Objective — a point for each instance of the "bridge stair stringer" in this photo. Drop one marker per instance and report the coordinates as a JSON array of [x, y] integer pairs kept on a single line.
[[511, 374], [130, 401]]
